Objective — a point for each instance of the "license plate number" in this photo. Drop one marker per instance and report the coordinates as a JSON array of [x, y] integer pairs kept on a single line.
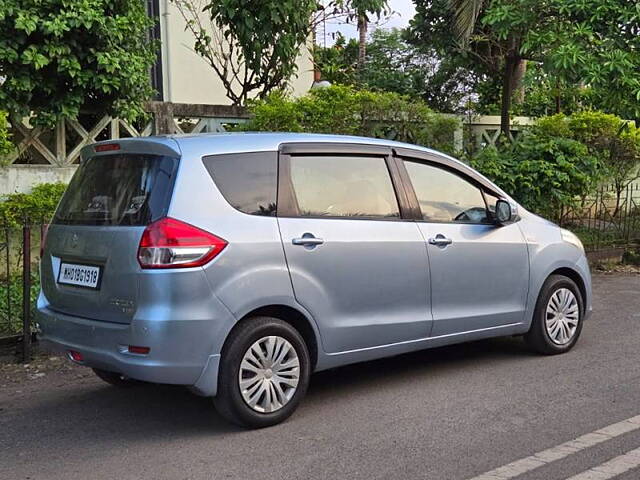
[[87, 276]]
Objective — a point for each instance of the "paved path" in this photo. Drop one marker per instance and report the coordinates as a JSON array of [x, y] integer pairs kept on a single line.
[[446, 414]]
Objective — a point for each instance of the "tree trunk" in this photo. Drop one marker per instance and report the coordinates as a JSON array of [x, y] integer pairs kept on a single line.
[[518, 77], [362, 41], [511, 63]]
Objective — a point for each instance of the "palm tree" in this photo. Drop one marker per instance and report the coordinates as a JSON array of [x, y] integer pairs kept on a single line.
[[465, 16], [362, 9]]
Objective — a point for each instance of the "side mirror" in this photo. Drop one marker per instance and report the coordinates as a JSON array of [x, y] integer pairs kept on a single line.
[[505, 212]]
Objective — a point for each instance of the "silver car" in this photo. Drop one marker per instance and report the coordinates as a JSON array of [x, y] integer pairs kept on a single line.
[[238, 264]]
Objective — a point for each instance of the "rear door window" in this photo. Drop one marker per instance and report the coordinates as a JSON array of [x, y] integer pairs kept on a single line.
[[248, 181], [119, 190], [342, 186]]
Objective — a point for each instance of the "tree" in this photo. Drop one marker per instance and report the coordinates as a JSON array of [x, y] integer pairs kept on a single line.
[[58, 57], [475, 66], [590, 42], [363, 8], [251, 46]]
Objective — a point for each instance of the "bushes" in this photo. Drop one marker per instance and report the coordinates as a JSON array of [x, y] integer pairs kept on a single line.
[[39, 205], [614, 141], [5, 138], [543, 172], [564, 158], [347, 111]]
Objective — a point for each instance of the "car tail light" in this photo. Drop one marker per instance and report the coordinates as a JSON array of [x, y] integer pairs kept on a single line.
[[170, 243], [106, 147]]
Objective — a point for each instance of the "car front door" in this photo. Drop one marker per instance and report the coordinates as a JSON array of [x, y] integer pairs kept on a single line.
[[479, 270], [358, 268]]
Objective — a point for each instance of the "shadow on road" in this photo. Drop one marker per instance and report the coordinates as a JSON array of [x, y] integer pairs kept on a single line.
[[100, 414]]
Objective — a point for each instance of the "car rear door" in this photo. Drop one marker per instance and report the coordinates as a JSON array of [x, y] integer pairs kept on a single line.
[[356, 265], [479, 270], [89, 266]]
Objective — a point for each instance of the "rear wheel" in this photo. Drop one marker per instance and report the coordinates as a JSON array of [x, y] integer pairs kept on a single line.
[[557, 319], [115, 379], [264, 373]]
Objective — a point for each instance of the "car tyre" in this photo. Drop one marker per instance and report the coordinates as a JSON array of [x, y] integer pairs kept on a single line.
[[256, 335], [556, 327], [115, 379]]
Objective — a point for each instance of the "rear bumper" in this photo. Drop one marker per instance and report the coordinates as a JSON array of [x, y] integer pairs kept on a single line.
[[182, 352]]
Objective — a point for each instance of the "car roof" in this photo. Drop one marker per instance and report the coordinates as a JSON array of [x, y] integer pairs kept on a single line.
[[203, 144], [238, 142], [265, 141]]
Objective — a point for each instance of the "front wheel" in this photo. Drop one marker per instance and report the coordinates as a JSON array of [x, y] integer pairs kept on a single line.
[[264, 373], [557, 319]]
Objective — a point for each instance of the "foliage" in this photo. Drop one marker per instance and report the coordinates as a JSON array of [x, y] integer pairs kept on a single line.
[[5, 137], [345, 110], [59, 57], [543, 172], [337, 64], [569, 44], [614, 141], [469, 73], [590, 41], [393, 64], [251, 46], [631, 257], [39, 205], [11, 300]]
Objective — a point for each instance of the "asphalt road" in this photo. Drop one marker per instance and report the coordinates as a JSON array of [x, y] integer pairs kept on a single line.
[[448, 413]]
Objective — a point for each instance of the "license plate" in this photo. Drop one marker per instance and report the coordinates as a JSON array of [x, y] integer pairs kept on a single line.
[[87, 276]]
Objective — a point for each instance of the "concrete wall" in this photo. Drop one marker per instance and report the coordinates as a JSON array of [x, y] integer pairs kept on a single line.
[[187, 77], [20, 178]]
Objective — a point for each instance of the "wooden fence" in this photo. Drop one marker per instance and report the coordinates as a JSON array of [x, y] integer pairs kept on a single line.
[[42, 153]]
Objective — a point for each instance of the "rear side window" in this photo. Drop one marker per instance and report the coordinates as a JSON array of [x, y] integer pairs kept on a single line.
[[248, 181], [342, 186], [121, 189]]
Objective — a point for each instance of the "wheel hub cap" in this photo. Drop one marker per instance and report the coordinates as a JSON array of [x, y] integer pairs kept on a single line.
[[562, 316], [269, 374]]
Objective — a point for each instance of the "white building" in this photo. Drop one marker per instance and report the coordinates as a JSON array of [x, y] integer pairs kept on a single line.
[[182, 76]]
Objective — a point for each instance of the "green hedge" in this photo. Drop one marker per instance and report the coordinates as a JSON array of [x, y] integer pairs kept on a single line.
[[562, 159], [348, 111], [39, 205]]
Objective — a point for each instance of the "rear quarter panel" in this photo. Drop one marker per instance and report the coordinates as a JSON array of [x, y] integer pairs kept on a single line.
[[251, 272]]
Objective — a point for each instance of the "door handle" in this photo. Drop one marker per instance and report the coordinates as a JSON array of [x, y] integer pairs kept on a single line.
[[440, 240], [307, 240]]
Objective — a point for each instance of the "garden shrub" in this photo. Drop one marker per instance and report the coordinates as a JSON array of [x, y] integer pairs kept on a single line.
[[544, 173], [614, 141], [39, 205], [348, 111]]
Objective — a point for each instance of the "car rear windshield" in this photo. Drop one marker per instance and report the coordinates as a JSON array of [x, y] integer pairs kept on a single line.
[[121, 189]]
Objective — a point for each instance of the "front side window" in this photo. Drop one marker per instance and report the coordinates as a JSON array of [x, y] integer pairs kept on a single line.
[[342, 186], [444, 196]]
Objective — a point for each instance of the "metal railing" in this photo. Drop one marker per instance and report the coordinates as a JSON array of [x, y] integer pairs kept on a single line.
[[607, 220], [19, 280]]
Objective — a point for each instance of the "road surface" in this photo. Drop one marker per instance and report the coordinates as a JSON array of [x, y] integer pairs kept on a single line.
[[486, 410]]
